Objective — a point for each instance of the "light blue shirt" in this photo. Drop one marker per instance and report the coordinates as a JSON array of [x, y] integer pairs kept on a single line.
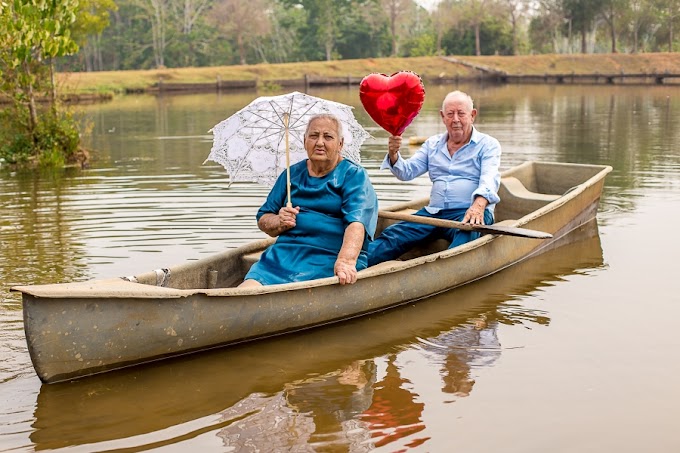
[[456, 180]]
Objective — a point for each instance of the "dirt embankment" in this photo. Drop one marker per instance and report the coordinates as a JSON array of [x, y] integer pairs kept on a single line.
[[656, 68]]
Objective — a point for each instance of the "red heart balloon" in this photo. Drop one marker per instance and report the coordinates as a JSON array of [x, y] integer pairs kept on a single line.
[[392, 101]]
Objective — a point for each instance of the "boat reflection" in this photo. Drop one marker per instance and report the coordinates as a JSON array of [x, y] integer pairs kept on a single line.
[[340, 383]]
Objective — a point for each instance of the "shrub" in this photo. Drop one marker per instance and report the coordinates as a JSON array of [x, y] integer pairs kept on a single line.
[[54, 142]]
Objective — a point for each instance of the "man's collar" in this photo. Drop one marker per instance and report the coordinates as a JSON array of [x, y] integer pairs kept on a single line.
[[475, 136]]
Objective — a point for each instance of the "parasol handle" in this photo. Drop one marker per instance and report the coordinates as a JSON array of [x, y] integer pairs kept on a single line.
[[286, 118]]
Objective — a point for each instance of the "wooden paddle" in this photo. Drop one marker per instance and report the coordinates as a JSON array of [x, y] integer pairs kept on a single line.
[[491, 229]]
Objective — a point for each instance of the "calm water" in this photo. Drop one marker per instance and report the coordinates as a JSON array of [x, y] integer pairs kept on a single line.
[[574, 350]]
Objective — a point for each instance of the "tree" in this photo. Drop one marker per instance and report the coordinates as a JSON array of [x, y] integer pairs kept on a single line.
[[286, 26], [187, 14], [324, 26], [243, 22], [474, 13], [669, 13], [92, 19], [190, 11], [638, 14], [581, 15], [545, 27], [328, 31], [364, 33], [444, 17], [495, 37], [396, 11], [514, 10], [159, 26], [611, 10], [32, 34]]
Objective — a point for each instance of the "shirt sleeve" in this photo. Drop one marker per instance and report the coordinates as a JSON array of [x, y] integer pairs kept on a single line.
[[411, 168], [360, 202], [490, 177]]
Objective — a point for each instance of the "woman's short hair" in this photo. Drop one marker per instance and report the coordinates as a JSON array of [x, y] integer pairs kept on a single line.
[[326, 116]]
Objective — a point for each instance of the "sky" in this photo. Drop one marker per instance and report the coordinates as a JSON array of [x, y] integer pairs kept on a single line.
[[428, 4]]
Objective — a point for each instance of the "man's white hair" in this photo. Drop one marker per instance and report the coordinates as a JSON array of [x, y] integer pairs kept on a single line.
[[455, 95]]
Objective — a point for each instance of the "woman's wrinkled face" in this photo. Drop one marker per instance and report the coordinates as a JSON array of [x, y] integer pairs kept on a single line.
[[323, 142]]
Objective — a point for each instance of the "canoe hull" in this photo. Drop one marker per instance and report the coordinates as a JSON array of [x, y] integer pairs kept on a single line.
[[80, 329]]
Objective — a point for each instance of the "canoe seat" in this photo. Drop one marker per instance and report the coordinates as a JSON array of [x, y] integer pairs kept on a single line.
[[250, 259], [516, 188], [518, 201]]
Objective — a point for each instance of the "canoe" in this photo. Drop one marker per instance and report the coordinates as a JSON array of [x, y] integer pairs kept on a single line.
[[230, 379], [79, 329]]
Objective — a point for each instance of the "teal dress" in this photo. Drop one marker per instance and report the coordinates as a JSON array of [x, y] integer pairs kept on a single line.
[[327, 206]]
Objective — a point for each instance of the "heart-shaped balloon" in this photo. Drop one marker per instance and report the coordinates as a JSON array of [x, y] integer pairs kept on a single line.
[[392, 101]]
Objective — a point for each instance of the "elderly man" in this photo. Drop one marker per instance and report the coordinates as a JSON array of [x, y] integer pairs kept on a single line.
[[463, 165]]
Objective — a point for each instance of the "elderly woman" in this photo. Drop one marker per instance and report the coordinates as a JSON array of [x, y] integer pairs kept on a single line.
[[328, 232]]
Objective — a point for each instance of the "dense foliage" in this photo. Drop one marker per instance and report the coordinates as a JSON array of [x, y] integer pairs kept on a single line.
[[32, 123], [177, 33]]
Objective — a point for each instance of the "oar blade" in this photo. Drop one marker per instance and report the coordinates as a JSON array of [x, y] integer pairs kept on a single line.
[[512, 231]]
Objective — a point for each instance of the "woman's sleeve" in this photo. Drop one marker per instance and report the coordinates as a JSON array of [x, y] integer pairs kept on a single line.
[[276, 198], [360, 203]]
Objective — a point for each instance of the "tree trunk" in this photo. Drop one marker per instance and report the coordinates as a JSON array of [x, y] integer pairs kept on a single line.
[[439, 42], [32, 112], [99, 59], [87, 55], [158, 32], [53, 86], [584, 42], [241, 49], [569, 36], [478, 46], [393, 30], [329, 32], [515, 41], [612, 28], [670, 35]]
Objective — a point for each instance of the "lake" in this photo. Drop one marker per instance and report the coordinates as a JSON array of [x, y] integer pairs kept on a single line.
[[572, 350]]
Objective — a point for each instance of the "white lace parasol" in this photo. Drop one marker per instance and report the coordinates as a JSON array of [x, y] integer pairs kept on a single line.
[[251, 143]]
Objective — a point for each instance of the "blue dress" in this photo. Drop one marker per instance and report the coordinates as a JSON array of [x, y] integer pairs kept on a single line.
[[327, 206]]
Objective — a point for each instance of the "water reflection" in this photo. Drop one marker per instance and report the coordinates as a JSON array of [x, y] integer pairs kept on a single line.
[[147, 202], [395, 412], [343, 385]]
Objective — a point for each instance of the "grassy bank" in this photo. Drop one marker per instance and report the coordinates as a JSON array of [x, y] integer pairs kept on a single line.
[[427, 67]]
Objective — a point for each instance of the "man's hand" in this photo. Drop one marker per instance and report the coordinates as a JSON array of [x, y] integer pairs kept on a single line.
[[475, 213], [393, 145]]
